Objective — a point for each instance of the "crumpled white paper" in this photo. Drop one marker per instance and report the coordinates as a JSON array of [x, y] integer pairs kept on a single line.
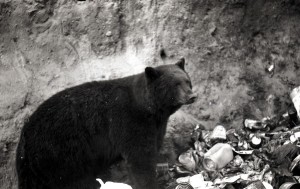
[[196, 181], [113, 185]]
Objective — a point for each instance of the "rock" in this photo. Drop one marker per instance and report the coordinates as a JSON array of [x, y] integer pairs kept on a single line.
[[178, 136], [108, 34]]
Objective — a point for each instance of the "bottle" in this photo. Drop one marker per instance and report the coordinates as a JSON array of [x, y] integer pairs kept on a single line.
[[217, 157]]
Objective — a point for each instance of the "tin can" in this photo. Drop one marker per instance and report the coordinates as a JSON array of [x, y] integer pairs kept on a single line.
[[217, 157], [256, 141], [290, 185], [295, 96]]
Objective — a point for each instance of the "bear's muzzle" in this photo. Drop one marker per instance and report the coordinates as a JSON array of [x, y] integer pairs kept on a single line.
[[192, 98]]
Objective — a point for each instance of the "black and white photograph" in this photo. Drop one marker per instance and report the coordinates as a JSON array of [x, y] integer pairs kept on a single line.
[[149, 94]]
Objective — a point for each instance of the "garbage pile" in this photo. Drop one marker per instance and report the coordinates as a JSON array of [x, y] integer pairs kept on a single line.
[[264, 154]]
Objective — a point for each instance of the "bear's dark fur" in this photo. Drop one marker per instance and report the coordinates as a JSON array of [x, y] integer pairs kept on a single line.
[[75, 135]]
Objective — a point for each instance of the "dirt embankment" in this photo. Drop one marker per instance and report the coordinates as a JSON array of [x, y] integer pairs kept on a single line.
[[46, 46]]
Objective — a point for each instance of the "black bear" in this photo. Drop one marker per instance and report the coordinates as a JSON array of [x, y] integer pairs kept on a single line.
[[75, 135]]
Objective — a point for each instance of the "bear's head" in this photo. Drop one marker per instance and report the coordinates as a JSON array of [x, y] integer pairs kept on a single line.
[[170, 86]]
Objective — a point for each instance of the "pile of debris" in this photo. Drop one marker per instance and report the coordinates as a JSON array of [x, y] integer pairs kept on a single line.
[[264, 154]]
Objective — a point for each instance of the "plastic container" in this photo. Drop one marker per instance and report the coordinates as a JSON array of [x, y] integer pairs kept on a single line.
[[217, 157]]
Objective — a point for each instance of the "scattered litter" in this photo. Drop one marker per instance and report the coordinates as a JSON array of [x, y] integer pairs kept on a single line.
[[264, 154]]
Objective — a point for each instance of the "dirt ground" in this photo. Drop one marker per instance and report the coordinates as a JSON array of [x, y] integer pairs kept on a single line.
[[230, 47]]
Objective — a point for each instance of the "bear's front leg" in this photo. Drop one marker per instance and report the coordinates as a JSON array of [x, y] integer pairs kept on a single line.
[[142, 175], [140, 159]]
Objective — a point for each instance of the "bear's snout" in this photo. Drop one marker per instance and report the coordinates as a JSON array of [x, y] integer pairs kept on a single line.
[[192, 98]]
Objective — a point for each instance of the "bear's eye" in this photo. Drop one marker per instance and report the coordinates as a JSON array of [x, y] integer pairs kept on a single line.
[[188, 83]]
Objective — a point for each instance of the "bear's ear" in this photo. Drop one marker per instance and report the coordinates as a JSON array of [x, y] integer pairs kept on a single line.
[[181, 63], [163, 54], [151, 73]]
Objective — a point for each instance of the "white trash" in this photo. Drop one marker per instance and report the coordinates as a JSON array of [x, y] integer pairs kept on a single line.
[[197, 180], [295, 96], [113, 185]]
